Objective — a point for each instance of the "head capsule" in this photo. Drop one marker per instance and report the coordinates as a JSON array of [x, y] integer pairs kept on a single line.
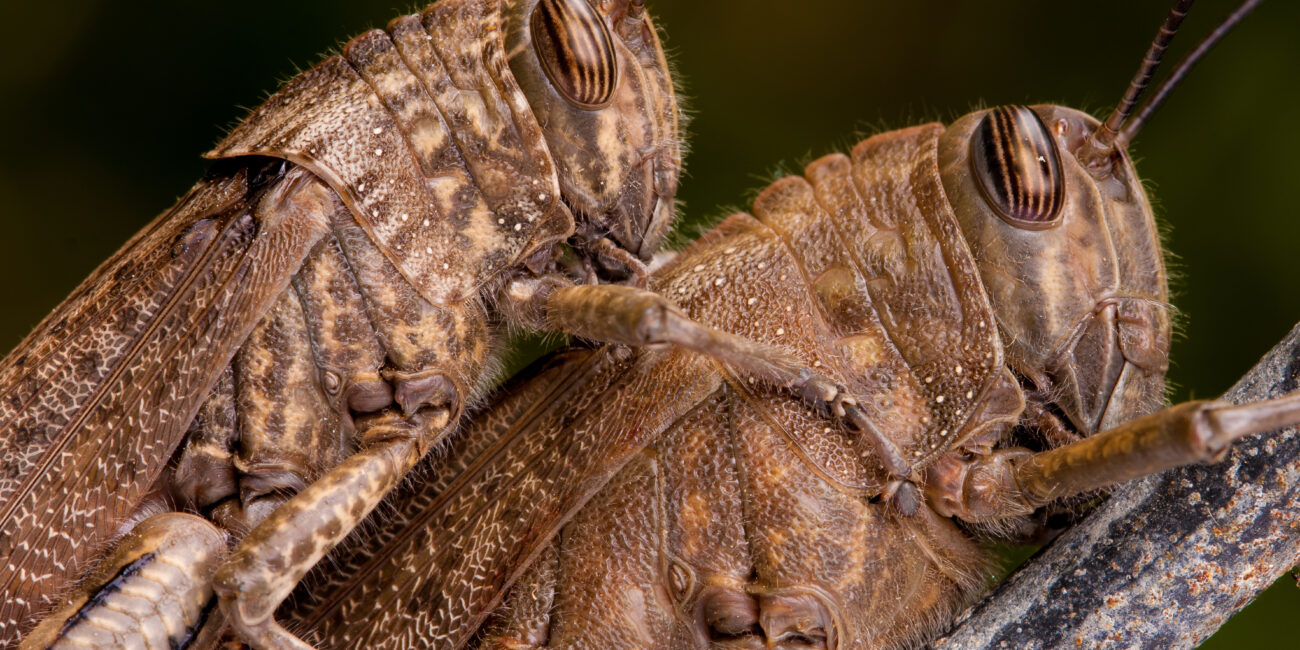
[[1071, 262], [598, 82]]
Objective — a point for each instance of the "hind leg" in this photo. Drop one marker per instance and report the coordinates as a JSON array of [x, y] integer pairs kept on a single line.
[[154, 590]]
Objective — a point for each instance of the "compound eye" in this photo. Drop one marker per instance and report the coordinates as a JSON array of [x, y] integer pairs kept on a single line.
[[576, 51], [1019, 167]]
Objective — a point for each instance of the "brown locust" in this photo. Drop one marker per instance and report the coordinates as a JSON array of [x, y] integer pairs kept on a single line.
[[279, 348]]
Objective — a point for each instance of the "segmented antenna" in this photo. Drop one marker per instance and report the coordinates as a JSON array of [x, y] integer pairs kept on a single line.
[[1103, 139], [1131, 127]]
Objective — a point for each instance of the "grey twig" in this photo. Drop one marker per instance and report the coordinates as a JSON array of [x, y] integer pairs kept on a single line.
[[1166, 560]]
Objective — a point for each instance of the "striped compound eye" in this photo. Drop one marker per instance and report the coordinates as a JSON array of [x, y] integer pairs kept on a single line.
[[576, 51], [1019, 167]]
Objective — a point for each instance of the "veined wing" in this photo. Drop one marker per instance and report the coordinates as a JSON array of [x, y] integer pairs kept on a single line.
[[457, 543], [94, 401]]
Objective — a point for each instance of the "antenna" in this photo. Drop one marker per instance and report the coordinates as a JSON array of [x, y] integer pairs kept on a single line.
[[1096, 154], [1131, 127], [1105, 136]]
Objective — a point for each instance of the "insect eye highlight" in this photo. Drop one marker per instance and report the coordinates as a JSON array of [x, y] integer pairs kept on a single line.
[[576, 51], [1019, 167]]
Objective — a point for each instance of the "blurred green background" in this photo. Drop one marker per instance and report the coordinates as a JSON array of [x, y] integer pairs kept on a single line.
[[106, 106]]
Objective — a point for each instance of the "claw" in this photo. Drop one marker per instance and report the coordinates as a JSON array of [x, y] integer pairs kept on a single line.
[[904, 496]]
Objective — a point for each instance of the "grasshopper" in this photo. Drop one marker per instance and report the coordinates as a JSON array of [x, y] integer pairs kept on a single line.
[[279, 348]]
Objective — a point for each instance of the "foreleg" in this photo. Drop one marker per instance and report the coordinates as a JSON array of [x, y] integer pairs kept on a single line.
[[267, 564], [1013, 482]]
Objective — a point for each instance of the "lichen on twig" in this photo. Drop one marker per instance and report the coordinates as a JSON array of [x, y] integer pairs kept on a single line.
[[1166, 560]]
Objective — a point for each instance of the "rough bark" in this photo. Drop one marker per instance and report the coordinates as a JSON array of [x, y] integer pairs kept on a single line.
[[1166, 560]]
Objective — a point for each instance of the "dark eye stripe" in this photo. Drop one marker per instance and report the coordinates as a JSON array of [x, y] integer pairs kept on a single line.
[[1018, 166], [576, 51], [1004, 132], [573, 48]]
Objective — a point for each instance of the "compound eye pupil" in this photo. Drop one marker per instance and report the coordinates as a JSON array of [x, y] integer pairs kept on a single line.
[[576, 51], [1019, 167]]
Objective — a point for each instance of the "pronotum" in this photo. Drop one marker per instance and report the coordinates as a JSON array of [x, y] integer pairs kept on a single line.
[[800, 67]]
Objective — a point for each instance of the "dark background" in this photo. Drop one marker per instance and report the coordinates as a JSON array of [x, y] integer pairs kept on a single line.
[[105, 106]]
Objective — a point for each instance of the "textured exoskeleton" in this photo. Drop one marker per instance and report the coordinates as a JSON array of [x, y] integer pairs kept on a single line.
[[658, 399], [744, 498], [993, 295], [278, 349]]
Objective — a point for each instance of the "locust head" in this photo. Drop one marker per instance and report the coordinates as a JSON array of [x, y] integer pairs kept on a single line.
[[598, 82], [1071, 261], [1067, 246]]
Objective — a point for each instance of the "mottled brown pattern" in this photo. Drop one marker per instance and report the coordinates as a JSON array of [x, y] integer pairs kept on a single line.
[[598, 438], [413, 180], [156, 591], [1083, 306], [748, 520], [524, 618], [204, 474], [343, 340], [878, 240], [618, 166], [449, 223], [749, 497], [135, 349], [418, 337], [288, 435]]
